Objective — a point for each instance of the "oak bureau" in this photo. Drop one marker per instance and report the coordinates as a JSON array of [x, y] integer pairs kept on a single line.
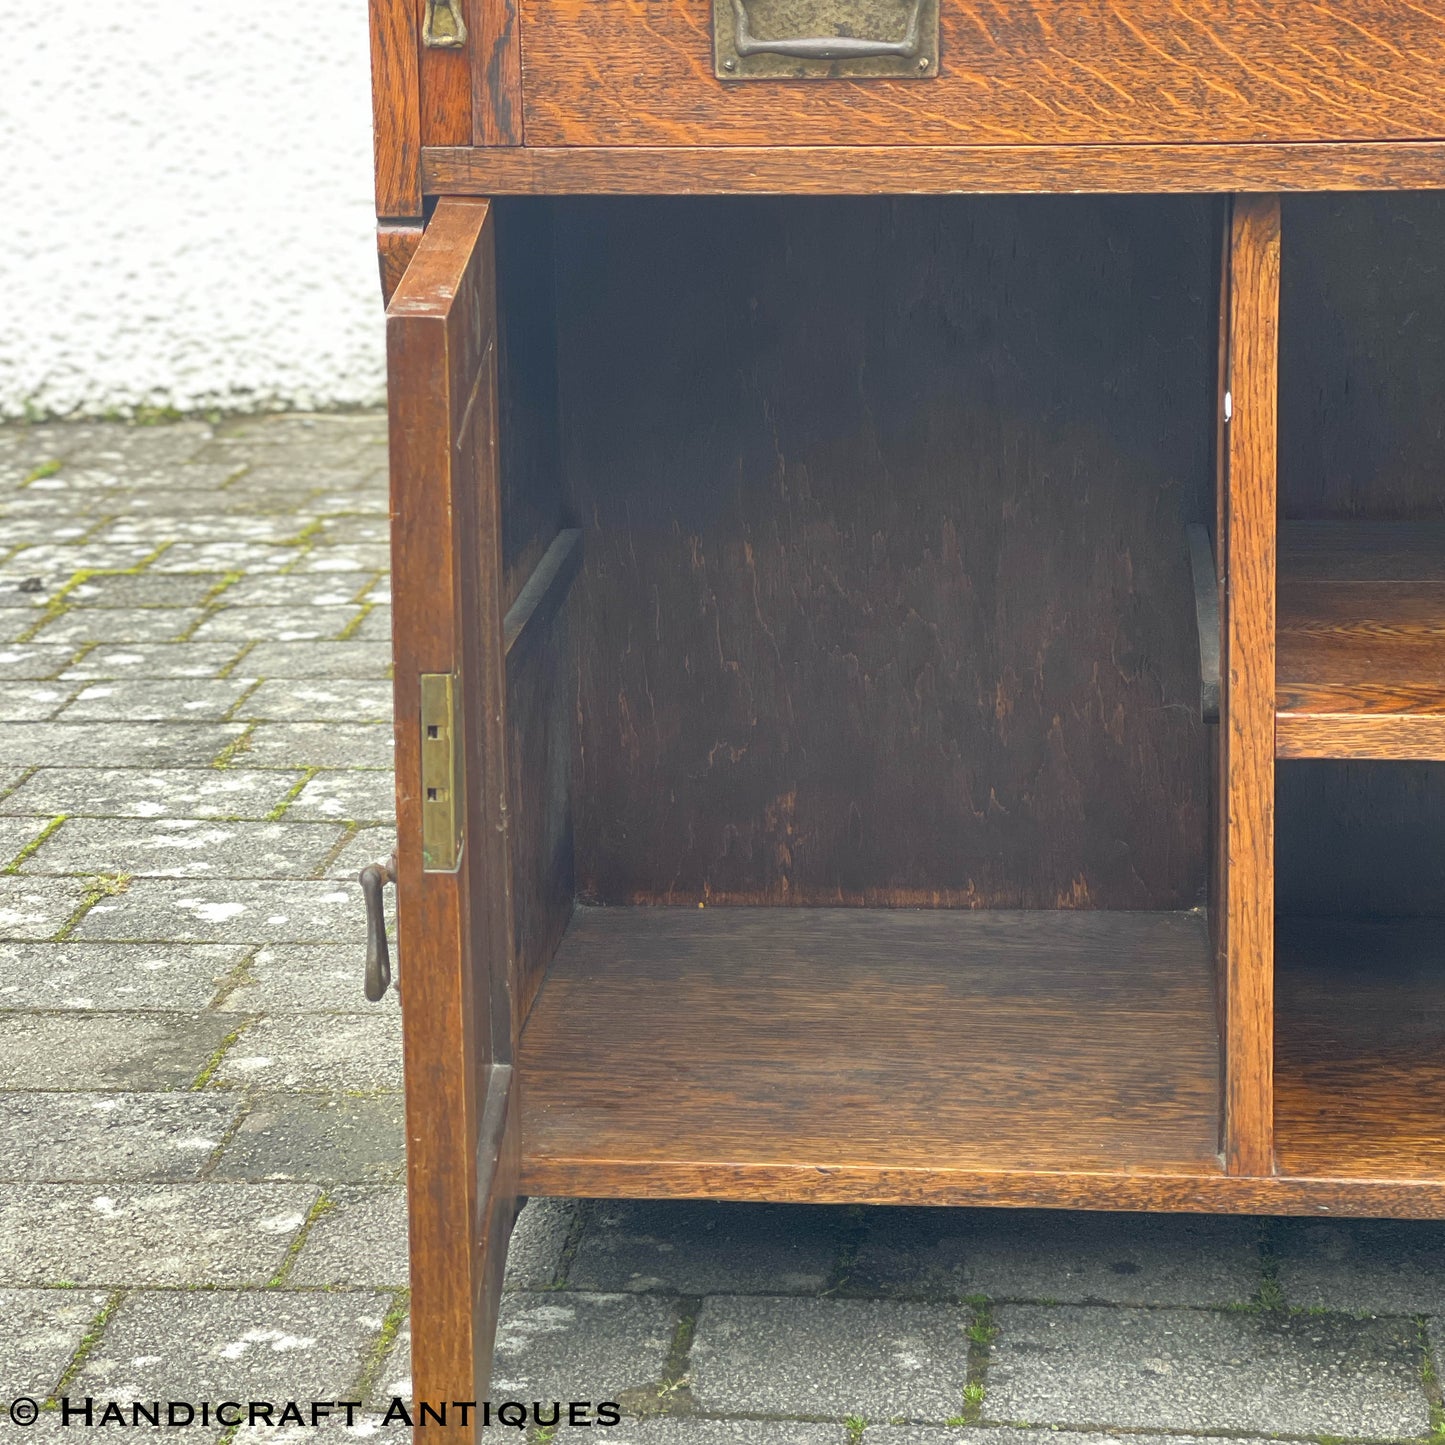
[[919, 562]]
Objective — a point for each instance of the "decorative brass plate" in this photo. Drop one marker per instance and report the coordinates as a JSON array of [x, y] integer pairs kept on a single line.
[[825, 39]]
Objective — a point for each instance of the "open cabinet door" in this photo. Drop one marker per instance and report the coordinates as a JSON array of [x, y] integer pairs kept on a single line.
[[453, 876]]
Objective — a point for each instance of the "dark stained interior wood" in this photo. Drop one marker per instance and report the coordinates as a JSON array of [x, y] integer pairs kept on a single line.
[[1360, 1082], [1025, 72], [886, 597], [533, 507], [711, 1041], [1361, 838], [1361, 640]]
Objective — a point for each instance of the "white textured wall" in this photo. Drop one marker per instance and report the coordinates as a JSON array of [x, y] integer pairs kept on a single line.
[[188, 214]]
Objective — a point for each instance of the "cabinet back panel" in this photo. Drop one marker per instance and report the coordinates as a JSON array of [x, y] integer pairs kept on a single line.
[[886, 597], [1362, 435]]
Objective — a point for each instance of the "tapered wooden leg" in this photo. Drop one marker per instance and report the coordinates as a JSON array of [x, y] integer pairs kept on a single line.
[[1244, 903]]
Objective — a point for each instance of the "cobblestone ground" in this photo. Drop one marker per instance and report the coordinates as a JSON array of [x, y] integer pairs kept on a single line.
[[200, 1139]]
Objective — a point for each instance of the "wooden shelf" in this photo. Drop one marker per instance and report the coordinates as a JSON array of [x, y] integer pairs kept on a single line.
[[1360, 665], [1360, 1049], [860, 1054]]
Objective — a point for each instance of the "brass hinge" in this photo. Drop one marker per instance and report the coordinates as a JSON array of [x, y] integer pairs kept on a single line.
[[442, 784]]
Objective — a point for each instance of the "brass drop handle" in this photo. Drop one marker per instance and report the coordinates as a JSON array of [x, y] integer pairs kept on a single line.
[[374, 878], [443, 28], [825, 47]]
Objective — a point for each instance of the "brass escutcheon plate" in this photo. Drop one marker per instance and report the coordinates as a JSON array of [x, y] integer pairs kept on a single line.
[[825, 39]]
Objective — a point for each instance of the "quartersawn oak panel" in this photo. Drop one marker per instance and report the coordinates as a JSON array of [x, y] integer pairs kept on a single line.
[[739, 1038], [1360, 1077], [887, 602], [1360, 663], [605, 72]]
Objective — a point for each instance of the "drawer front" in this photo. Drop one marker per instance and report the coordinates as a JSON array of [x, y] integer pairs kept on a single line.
[[1009, 72]]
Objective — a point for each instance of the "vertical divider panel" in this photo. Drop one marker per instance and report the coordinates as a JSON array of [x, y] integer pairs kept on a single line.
[[1248, 463], [456, 926]]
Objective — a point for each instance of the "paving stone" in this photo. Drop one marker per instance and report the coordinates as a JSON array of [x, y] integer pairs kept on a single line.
[[1393, 1267], [303, 1051], [366, 1427], [881, 1359], [22, 591], [365, 847], [111, 1138], [38, 907], [184, 848], [136, 745], [58, 562], [580, 1347], [120, 624], [107, 1051], [360, 1240], [1070, 1258], [245, 1345], [697, 1248], [539, 1239], [33, 701], [149, 589], [1009, 1435], [158, 700], [687, 1430], [230, 529], [276, 624], [171, 1234], [31, 662], [319, 745], [352, 557], [360, 796], [375, 626], [224, 556], [17, 832], [324, 1137], [199, 494], [305, 589], [343, 531], [114, 975], [164, 445], [40, 1330], [151, 659], [10, 779], [393, 1380], [314, 660], [1196, 1370], [154, 792], [204, 910], [18, 531], [336, 700], [307, 978]]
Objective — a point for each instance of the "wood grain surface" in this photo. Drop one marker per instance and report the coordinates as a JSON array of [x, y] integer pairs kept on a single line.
[[1361, 1027], [893, 1038], [606, 72], [1362, 343], [396, 244], [395, 110], [886, 597], [1245, 923], [445, 81], [456, 930], [1361, 656], [496, 50], [839, 170]]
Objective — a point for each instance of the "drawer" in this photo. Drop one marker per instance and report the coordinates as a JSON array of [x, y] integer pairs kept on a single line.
[[1009, 72]]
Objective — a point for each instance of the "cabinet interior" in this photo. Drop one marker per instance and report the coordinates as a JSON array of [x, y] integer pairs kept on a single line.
[[864, 818]]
